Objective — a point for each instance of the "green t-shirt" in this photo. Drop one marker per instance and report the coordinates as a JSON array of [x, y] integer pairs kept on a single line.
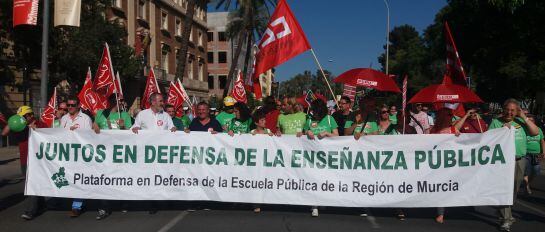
[[534, 143], [390, 130], [370, 127], [327, 124], [520, 135], [393, 119], [185, 119], [290, 124], [102, 121], [178, 123], [238, 126], [224, 117], [57, 123]]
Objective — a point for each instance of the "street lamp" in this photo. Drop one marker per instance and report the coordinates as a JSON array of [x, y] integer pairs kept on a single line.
[[387, 34]]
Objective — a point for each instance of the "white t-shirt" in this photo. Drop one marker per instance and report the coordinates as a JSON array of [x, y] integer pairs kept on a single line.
[[422, 119], [80, 121], [148, 120]]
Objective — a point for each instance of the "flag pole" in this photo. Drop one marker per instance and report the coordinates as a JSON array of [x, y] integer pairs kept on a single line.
[[113, 79], [44, 64], [325, 78]]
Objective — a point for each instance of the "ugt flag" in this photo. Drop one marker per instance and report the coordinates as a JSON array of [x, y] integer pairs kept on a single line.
[[104, 78], [283, 39], [89, 99], [239, 92], [151, 87], [48, 116], [454, 64], [175, 98]]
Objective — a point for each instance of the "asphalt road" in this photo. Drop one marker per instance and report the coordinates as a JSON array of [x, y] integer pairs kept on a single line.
[[214, 216]]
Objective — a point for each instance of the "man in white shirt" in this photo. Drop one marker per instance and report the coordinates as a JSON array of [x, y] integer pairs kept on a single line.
[[75, 120], [153, 118]]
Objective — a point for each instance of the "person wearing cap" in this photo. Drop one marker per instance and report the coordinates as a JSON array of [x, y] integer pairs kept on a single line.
[[33, 202], [227, 114], [514, 117]]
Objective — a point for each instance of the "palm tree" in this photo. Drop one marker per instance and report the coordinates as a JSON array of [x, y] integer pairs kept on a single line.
[[184, 43], [248, 21]]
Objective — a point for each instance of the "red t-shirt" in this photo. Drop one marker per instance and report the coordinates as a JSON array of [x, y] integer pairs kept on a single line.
[[272, 119], [472, 126]]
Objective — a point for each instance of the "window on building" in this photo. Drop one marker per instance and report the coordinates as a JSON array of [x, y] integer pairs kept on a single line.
[[222, 57], [178, 27], [222, 36], [164, 20], [142, 9], [201, 71], [201, 41], [210, 82], [223, 81], [190, 69], [210, 36], [210, 57], [191, 35], [165, 50]]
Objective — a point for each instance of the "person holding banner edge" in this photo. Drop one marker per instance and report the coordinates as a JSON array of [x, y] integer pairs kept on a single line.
[[514, 117]]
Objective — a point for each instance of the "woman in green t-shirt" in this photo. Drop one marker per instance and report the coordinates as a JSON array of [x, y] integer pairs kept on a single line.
[[242, 122], [322, 125], [385, 126]]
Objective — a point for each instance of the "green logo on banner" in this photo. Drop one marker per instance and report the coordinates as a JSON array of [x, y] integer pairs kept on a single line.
[[59, 179]]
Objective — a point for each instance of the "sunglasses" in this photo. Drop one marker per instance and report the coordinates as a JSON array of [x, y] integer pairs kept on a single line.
[[384, 112], [71, 105]]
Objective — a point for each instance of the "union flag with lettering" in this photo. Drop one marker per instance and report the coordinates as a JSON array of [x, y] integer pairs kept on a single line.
[[283, 39]]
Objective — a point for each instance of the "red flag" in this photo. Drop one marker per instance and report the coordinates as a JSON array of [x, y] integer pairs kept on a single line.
[[25, 12], [105, 78], [238, 92], [175, 98], [454, 64], [185, 96], [283, 39], [151, 87], [89, 99], [48, 116]]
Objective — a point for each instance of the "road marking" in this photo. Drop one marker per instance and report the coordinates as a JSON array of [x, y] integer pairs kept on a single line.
[[173, 222], [373, 222], [531, 207]]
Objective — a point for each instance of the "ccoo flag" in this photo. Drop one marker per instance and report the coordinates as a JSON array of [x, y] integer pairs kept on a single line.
[[283, 39], [239, 92]]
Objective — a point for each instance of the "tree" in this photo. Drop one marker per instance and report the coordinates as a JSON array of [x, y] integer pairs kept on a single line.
[[73, 49], [301, 83], [248, 20], [184, 43]]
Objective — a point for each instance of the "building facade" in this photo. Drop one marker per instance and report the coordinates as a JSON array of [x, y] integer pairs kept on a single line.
[[155, 28], [220, 52]]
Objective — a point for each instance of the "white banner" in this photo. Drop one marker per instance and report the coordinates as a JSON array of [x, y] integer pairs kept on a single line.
[[67, 12], [375, 171]]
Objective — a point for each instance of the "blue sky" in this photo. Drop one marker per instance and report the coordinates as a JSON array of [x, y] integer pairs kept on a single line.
[[347, 34]]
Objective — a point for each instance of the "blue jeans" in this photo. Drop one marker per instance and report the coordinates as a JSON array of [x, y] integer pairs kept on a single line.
[[77, 204], [533, 167]]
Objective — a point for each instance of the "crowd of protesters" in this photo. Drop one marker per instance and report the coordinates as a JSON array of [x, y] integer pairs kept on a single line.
[[289, 116]]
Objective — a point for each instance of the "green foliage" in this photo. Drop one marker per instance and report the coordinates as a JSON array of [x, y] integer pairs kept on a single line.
[[305, 81], [73, 49]]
